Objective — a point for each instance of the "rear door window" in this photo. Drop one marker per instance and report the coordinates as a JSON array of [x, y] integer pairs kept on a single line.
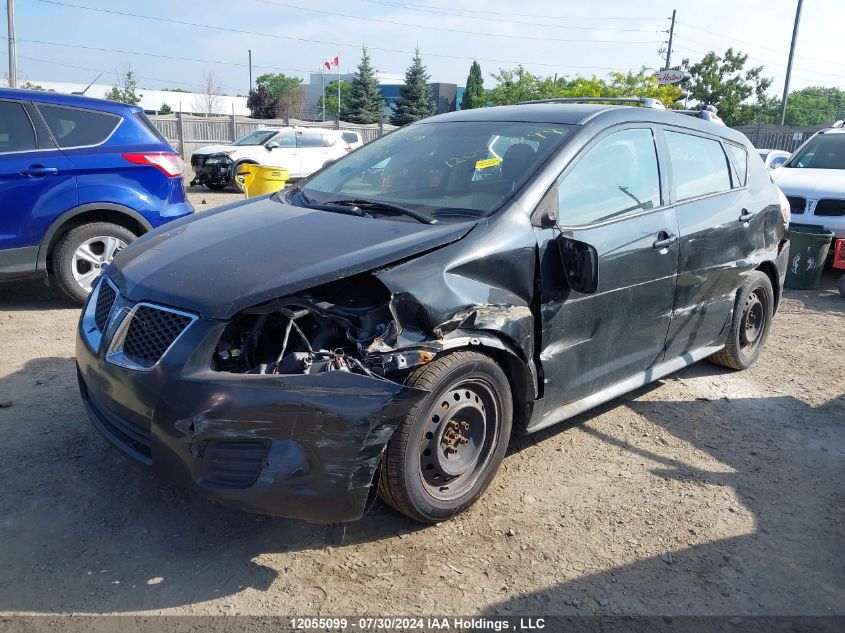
[[699, 165], [617, 176], [75, 127], [16, 132], [309, 139], [739, 163]]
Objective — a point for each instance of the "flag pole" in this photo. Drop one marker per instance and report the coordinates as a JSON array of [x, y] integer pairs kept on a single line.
[[323, 82]]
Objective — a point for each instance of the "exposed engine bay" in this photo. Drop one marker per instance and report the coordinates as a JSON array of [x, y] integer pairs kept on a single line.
[[345, 325]]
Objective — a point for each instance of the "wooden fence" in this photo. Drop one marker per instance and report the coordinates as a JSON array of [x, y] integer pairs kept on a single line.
[[188, 133]]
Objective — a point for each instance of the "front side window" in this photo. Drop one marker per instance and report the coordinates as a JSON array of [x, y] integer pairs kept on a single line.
[[699, 166], [256, 137], [617, 176], [447, 169], [74, 127], [285, 139], [825, 151], [739, 163], [16, 133]]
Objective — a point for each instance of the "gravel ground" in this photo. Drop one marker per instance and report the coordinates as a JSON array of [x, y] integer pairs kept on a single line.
[[708, 492]]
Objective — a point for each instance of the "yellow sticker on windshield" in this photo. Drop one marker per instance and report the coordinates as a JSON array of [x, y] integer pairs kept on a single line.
[[488, 162]]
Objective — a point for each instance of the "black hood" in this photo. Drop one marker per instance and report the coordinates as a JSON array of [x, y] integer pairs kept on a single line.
[[223, 261]]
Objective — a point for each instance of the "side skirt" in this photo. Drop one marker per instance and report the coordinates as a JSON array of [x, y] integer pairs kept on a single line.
[[636, 381]]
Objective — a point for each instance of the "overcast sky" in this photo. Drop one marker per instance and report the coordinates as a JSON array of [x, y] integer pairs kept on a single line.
[[561, 37]]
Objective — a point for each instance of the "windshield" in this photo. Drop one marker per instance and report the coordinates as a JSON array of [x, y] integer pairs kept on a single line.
[[258, 137], [440, 169], [825, 151]]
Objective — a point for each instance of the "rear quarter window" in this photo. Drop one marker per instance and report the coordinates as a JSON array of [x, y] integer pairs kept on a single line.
[[350, 137], [739, 164], [75, 127], [16, 133], [150, 126], [699, 165]]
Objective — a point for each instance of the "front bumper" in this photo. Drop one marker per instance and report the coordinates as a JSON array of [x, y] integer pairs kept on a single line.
[[208, 170], [299, 446]]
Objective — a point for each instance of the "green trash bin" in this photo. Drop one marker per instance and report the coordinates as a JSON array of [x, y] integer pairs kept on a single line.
[[808, 248]]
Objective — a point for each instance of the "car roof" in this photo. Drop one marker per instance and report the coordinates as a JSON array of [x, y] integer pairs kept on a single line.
[[583, 113], [63, 99]]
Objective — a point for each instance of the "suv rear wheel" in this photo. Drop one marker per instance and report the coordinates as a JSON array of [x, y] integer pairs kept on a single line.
[[750, 323], [449, 446], [81, 254]]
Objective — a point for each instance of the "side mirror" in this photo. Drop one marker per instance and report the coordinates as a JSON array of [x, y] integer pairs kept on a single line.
[[580, 264], [272, 145]]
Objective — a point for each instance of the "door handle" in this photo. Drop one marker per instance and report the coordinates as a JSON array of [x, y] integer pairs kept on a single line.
[[664, 240], [36, 171], [746, 215]]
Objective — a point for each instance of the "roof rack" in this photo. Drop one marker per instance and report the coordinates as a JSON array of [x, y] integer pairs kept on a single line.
[[708, 113], [644, 101]]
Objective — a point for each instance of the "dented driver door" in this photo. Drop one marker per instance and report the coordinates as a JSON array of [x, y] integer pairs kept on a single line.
[[610, 201]]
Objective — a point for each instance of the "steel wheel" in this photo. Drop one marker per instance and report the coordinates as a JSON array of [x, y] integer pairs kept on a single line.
[[449, 445], [91, 256], [463, 428], [753, 321]]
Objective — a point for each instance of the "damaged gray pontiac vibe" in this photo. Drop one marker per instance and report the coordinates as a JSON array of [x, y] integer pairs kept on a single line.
[[385, 325]]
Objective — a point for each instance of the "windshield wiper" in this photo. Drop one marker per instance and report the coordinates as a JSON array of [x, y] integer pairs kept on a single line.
[[376, 205], [324, 206]]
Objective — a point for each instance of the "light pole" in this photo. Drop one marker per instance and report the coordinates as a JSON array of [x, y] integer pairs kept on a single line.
[[13, 62], [789, 63]]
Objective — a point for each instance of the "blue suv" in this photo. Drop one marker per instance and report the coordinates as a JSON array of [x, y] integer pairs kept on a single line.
[[80, 178]]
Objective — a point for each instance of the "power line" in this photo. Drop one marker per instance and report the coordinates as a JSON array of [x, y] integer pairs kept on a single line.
[[753, 56], [462, 31], [767, 48], [432, 8], [308, 40]]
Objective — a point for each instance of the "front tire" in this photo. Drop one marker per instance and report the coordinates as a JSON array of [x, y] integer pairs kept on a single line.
[[446, 451], [750, 323], [215, 186], [81, 254]]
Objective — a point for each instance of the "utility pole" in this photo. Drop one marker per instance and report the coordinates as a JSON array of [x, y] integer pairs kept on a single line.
[[789, 63], [671, 35], [13, 60], [250, 69]]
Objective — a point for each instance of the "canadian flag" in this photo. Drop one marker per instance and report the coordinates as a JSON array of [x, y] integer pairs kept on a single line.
[[332, 62]]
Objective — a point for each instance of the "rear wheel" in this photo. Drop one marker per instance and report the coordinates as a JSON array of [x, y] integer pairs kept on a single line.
[[81, 254], [449, 446], [750, 323]]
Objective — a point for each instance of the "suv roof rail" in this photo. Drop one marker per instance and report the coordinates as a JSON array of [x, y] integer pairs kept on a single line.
[[708, 113], [646, 102], [839, 123]]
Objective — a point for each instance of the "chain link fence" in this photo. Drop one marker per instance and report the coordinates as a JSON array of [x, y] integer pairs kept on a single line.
[[188, 133]]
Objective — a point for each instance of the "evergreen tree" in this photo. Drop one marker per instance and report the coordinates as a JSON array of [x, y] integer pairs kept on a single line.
[[474, 91], [364, 104], [165, 109], [415, 100]]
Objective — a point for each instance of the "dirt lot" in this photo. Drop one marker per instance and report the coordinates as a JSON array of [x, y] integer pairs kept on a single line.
[[709, 492]]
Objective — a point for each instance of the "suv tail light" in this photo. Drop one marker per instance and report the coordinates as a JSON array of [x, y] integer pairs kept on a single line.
[[169, 164], [784, 208]]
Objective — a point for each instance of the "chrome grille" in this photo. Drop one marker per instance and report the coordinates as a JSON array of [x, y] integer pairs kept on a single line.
[[105, 301], [150, 332]]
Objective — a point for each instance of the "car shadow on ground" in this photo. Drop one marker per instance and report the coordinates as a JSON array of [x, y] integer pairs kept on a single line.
[[784, 461], [86, 529], [33, 295]]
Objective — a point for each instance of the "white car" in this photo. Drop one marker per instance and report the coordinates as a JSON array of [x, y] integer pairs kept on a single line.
[[813, 180], [300, 150]]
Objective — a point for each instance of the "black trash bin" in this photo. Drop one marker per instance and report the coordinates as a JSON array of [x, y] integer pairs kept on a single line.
[[808, 248]]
